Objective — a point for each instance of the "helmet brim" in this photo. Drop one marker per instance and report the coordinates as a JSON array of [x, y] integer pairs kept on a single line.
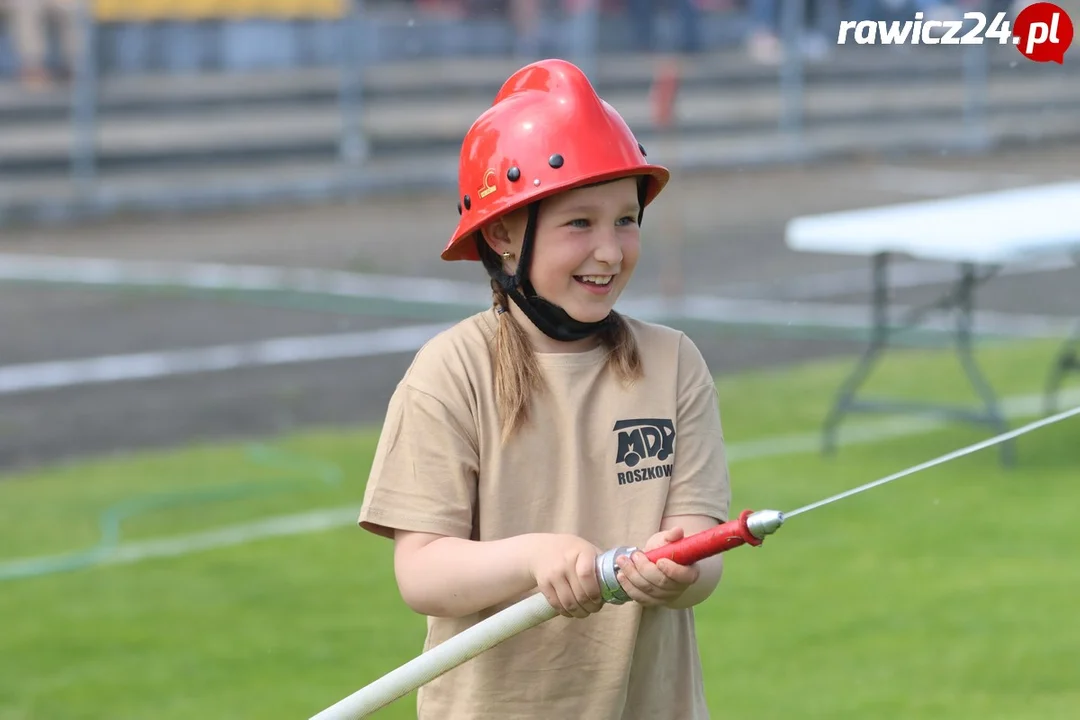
[[460, 248]]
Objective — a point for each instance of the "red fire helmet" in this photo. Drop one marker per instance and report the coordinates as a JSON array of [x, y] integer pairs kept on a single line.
[[546, 132]]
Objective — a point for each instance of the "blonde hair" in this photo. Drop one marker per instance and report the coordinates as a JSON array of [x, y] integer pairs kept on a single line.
[[517, 372]]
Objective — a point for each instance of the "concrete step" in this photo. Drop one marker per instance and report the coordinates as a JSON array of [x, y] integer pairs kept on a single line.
[[418, 126], [245, 184]]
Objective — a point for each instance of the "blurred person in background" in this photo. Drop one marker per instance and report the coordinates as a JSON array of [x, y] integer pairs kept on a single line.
[[526, 16], [765, 43], [643, 23], [546, 28], [29, 21]]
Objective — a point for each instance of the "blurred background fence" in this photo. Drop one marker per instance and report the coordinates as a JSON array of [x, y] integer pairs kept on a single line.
[[111, 104]]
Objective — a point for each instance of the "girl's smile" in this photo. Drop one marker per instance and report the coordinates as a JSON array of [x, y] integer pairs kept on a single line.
[[596, 284]]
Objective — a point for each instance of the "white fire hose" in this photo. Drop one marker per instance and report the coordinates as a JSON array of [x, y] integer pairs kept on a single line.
[[464, 646], [532, 611]]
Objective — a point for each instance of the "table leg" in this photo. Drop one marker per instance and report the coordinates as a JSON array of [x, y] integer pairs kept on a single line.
[[879, 338], [1066, 361], [964, 321]]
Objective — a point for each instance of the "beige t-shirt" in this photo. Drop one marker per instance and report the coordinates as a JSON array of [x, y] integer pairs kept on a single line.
[[597, 460]]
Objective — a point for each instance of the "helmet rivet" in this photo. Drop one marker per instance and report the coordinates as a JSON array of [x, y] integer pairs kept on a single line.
[[513, 174], [468, 203], [536, 182], [642, 149], [459, 208], [555, 161]]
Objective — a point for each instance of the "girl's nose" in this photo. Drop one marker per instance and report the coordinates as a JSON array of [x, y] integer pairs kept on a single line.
[[609, 248]]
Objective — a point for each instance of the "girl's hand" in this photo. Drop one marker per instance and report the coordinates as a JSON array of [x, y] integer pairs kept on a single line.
[[564, 568], [656, 584]]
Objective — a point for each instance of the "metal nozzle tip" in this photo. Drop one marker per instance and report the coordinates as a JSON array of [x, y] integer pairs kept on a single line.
[[765, 522]]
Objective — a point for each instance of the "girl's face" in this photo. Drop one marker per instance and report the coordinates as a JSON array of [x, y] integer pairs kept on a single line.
[[586, 247]]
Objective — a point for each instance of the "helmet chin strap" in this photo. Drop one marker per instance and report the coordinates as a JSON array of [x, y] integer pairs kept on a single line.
[[551, 319]]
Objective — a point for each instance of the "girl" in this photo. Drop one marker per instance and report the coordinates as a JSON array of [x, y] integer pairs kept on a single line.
[[531, 437]]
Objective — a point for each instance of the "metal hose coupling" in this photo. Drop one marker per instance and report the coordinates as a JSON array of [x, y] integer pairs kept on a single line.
[[764, 522], [607, 572]]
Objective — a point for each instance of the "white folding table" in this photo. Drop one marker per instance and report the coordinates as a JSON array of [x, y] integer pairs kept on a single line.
[[980, 233]]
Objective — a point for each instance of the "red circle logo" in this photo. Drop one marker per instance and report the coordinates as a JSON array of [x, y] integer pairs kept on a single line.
[[1043, 32]]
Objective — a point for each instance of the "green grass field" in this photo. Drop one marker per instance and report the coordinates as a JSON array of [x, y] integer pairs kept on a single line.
[[951, 594]]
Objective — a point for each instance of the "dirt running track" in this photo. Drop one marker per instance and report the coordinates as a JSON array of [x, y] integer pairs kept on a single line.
[[732, 229]]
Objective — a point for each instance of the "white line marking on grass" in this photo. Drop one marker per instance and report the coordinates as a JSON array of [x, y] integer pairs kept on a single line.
[[210, 276], [152, 365], [733, 311], [216, 276], [228, 536], [866, 432], [77, 372], [297, 524], [858, 280]]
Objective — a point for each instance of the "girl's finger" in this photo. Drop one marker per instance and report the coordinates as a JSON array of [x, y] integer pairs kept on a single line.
[[673, 534], [681, 574], [586, 573], [557, 597], [665, 538], [650, 572], [585, 586], [587, 604], [568, 599], [634, 577], [636, 587], [552, 597]]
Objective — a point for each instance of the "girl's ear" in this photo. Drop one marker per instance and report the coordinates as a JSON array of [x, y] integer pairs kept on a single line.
[[496, 235]]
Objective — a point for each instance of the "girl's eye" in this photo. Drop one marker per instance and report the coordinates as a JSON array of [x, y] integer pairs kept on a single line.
[[582, 223]]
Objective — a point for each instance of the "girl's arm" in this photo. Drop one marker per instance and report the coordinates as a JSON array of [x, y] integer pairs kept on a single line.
[[445, 576], [450, 577]]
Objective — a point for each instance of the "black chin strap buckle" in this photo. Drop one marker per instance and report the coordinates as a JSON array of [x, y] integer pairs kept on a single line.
[[509, 283]]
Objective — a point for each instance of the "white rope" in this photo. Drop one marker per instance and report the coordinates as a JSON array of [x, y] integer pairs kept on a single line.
[[989, 442]]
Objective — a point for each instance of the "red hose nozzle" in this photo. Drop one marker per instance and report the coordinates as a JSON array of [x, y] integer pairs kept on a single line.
[[750, 528]]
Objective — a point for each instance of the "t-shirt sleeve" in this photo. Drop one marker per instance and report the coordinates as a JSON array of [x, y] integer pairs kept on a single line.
[[700, 484], [424, 474]]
